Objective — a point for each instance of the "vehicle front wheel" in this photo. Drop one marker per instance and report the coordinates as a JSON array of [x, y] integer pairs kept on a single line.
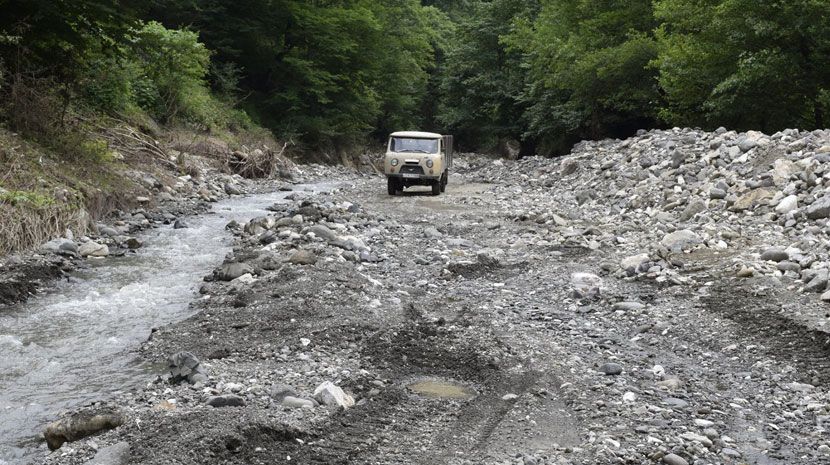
[[436, 188], [392, 186], [444, 180]]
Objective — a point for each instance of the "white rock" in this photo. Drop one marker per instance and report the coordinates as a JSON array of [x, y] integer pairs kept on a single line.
[[93, 249], [330, 394], [787, 205]]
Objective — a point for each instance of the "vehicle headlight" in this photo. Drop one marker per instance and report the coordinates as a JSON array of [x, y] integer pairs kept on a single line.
[[394, 162], [430, 163]]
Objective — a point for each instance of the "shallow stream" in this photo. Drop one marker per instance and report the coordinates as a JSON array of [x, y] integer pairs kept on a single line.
[[77, 342]]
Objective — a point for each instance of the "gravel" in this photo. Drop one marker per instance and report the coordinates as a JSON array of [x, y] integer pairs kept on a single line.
[[537, 279]]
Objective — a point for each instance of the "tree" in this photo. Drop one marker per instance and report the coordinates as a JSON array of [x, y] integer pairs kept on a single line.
[[745, 64], [589, 73], [482, 79]]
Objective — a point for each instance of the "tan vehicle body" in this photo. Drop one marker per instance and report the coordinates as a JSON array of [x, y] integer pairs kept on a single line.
[[417, 159]]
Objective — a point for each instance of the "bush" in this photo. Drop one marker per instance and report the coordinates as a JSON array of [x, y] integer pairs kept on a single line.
[[176, 64]]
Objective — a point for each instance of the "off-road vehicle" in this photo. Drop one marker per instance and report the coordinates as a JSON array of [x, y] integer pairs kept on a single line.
[[418, 159]]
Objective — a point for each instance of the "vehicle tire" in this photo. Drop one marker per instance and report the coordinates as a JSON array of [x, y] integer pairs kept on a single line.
[[392, 186], [436, 187], [444, 180]]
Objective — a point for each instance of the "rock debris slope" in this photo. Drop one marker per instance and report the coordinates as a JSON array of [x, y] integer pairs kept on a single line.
[[653, 300]]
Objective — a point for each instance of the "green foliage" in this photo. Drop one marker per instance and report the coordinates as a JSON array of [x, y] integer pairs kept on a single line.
[[482, 79], [326, 72], [175, 65], [26, 198], [744, 64], [588, 65], [329, 73]]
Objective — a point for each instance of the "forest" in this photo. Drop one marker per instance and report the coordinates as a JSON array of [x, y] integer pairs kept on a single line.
[[338, 74]]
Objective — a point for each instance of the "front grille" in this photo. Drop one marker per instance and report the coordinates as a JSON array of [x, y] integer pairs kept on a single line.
[[411, 169]]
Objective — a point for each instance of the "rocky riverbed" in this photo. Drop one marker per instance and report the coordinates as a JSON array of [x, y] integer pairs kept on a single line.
[[654, 300]]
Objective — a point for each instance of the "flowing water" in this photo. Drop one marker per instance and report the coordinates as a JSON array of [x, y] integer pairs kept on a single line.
[[76, 343]]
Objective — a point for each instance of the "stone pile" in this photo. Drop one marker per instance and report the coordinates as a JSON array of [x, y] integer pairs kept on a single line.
[[761, 200]]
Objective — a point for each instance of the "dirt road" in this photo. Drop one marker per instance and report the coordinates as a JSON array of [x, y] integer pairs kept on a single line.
[[487, 313]]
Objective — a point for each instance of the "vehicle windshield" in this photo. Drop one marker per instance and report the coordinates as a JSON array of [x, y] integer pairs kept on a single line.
[[410, 145]]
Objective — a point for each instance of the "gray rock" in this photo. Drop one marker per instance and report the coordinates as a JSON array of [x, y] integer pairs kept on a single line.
[[569, 166], [818, 283], [717, 194], [323, 232], [695, 206], [679, 241], [628, 306], [297, 402], [61, 245], [116, 454], [747, 144], [787, 265], [611, 369], [133, 243], [107, 231], [775, 254], [633, 265], [302, 257], [819, 209], [232, 189], [231, 271], [184, 366], [674, 459], [226, 400], [281, 391], [180, 224]]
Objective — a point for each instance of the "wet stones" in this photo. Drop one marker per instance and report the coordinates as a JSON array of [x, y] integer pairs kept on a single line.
[[184, 366], [93, 249], [80, 425], [180, 224]]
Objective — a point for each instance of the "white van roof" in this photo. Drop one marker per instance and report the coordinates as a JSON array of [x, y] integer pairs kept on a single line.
[[416, 135]]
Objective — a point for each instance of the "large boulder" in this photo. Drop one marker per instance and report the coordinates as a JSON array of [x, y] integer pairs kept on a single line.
[[819, 209], [80, 425], [323, 232], [116, 454], [752, 199], [231, 271], [93, 249], [332, 395], [184, 366], [679, 241], [787, 204]]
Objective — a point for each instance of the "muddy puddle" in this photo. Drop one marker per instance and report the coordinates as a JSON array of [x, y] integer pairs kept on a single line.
[[442, 389]]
